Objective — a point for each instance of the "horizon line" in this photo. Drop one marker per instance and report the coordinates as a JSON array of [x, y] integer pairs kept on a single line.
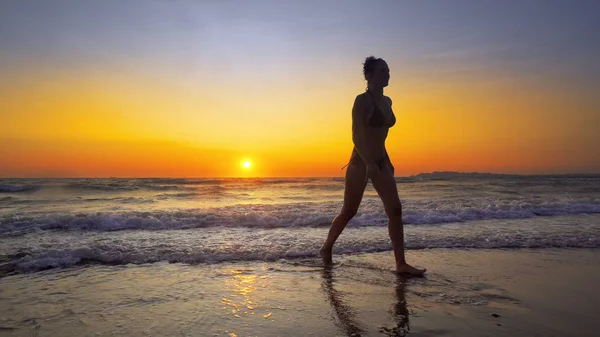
[[307, 177]]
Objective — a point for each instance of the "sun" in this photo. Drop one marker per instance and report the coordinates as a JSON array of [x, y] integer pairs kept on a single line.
[[246, 164]]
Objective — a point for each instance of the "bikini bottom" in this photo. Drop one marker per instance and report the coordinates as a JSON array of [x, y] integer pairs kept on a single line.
[[355, 158]]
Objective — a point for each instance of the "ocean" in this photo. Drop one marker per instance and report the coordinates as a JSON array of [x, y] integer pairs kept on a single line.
[[59, 223]]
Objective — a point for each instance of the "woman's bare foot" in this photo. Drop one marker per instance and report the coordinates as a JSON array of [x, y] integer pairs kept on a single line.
[[326, 255], [410, 270]]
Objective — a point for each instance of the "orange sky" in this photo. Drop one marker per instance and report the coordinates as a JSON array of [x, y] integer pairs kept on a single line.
[[145, 116], [80, 127]]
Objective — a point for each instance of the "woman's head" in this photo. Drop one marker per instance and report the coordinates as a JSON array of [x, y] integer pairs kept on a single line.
[[376, 72]]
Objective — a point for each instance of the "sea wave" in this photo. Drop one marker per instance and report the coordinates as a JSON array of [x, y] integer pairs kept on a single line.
[[299, 214], [102, 186], [215, 247], [12, 188]]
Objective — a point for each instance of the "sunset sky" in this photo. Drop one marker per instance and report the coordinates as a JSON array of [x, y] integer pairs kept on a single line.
[[182, 88]]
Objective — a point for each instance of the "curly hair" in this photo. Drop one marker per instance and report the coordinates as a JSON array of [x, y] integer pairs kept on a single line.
[[369, 65]]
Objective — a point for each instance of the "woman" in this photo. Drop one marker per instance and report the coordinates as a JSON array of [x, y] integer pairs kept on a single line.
[[372, 116]]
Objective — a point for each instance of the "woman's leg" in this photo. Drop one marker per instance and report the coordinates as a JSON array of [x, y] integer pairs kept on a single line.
[[355, 183], [385, 185]]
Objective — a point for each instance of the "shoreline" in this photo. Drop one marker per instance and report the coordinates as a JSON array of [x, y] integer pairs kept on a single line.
[[498, 292]]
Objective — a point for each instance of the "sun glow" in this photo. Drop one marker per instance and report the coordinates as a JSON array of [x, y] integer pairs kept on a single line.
[[246, 164]]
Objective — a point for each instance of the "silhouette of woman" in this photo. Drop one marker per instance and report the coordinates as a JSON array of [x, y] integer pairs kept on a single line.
[[372, 116]]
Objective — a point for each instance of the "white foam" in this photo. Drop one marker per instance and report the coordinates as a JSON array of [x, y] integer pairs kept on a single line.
[[56, 249], [296, 215]]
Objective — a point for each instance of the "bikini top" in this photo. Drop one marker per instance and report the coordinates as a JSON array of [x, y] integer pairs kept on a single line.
[[377, 119]]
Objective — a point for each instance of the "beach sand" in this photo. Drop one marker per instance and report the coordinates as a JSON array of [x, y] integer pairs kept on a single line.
[[545, 292]]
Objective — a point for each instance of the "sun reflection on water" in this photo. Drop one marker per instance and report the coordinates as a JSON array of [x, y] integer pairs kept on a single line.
[[243, 299]]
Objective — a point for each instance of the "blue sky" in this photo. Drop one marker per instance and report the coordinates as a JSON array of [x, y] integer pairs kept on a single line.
[[554, 37]]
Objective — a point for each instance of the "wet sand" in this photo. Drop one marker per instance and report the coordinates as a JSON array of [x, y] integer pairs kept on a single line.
[[466, 293]]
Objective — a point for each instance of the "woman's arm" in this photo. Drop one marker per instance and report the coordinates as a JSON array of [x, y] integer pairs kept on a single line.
[[359, 119]]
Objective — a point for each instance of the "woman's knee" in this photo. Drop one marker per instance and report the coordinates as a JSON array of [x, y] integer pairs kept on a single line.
[[349, 213], [394, 210]]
